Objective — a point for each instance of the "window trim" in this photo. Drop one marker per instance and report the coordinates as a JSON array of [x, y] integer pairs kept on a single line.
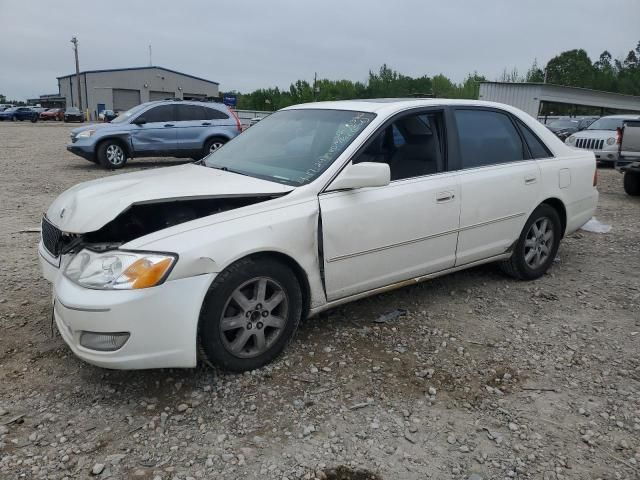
[[146, 111], [445, 140], [526, 153], [521, 125]]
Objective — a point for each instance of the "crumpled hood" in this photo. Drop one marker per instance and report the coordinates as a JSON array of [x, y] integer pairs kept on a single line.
[[88, 206]]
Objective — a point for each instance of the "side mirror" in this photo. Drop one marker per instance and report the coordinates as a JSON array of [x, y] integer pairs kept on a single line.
[[360, 175], [139, 121]]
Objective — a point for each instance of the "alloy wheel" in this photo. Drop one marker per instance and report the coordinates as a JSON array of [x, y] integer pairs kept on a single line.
[[254, 317], [215, 146], [115, 154], [538, 243]]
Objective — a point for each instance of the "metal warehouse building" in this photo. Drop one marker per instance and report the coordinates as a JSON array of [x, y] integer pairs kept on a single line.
[[122, 88], [539, 99]]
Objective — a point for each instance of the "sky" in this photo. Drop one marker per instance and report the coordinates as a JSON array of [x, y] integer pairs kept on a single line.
[[251, 44]]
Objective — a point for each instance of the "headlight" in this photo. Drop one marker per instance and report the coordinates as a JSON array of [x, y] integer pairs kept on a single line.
[[119, 270], [571, 139], [86, 133], [611, 140]]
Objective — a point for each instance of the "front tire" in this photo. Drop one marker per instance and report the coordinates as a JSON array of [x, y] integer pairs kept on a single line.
[[111, 154], [537, 246], [250, 314], [632, 183]]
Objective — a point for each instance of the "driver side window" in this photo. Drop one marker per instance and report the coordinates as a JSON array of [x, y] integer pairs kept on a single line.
[[412, 146]]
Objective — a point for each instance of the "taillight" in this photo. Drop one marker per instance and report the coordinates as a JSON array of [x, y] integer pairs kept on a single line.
[[238, 124], [595, 177], [618, 136]]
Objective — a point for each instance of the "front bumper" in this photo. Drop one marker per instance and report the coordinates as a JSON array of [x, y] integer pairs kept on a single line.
[[84, 151], [162, 321]]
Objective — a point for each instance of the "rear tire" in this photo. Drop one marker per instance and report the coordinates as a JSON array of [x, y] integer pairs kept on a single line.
[[249, 315], [632, 183], [111, 154], [537, 246], [212, 145]]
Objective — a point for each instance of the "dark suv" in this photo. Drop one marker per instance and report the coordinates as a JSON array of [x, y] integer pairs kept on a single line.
[[168, 128]]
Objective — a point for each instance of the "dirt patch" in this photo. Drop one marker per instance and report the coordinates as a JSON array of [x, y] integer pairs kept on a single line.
[[483, 375]]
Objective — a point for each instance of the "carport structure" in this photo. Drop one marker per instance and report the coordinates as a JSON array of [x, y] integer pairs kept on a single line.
[[542, 99]]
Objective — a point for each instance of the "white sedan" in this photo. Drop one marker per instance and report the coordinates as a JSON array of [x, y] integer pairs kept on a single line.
[[312, 207]]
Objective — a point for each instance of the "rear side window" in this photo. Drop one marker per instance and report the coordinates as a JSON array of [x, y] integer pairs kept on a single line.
[[487, 138], [214, 114], [536, 147], [161, 113], [191, 112]]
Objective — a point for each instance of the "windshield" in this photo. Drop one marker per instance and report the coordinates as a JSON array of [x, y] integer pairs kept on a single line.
[[73, 110], [293, 146], [607, 124], [125, 116], [563, 124]]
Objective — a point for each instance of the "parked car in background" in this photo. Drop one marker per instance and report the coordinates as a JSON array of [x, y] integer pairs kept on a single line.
[[164, 128], [4, 106], [564, 127], [52, 114], [314, 206], [73, 114], [19, 113], [36, 109], [107, 115], [602, 137]]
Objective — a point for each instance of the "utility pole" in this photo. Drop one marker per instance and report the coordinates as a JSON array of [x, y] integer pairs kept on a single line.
[[315, 81], [150, 57], [74, 40]]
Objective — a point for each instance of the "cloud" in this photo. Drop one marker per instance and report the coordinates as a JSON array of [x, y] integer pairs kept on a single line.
[[252, 44]]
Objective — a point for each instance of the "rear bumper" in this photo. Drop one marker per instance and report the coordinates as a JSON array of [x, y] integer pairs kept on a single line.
[[83, 151], [580, 212]]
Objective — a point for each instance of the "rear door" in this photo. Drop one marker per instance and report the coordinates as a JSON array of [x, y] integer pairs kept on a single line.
[[499, 182], [197, 123], [157, 136]]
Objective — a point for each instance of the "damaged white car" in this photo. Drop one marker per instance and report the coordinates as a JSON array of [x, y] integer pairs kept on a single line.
[[314, 206]]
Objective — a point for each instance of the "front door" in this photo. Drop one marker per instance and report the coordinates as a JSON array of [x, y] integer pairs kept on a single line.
[[157, 135], [372, 237], [499, 183]]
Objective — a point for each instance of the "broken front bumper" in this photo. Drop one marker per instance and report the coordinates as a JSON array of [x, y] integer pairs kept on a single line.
[[162, 321]]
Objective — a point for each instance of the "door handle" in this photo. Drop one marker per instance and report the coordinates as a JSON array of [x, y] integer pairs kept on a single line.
[[168, 125], [206, 124], [442, 197], [530, 180]]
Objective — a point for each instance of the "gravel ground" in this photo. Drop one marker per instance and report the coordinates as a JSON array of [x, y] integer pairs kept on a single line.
[[483, 377]]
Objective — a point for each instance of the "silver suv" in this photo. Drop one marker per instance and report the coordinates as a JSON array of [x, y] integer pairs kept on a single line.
[[168, 128]]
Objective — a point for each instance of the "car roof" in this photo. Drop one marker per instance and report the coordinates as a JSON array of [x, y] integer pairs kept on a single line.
[[187, 102], [390, 105]]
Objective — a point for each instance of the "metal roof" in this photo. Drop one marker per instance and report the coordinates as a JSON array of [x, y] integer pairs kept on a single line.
[[141, 68], [565, 87]]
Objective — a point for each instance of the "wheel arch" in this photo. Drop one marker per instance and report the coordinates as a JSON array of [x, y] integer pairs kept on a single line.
[[121, 139], [558, 206], [297, 270]]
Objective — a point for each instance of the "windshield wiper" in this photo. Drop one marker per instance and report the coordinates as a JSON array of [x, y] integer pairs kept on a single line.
[[227, 169]]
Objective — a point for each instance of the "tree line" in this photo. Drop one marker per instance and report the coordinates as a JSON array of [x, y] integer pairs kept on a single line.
[[571, 68]]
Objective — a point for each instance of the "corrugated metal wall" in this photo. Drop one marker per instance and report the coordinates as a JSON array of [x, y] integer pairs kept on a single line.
[[522, 96], [528, 96]]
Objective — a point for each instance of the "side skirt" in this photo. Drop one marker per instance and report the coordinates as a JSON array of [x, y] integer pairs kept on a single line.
[[406, 283]]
